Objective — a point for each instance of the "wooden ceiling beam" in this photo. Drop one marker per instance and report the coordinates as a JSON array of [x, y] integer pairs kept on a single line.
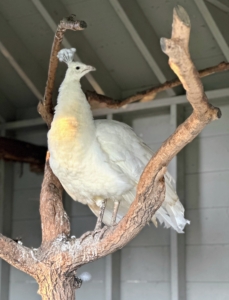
[[133, 19], [219, 5], [213, 27], [20, 72], [19, 151]]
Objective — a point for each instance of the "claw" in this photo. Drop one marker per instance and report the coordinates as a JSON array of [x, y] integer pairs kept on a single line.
[[102, 231], [86, 234]]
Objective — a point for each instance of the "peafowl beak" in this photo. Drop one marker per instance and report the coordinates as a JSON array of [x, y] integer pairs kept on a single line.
[[90, 68]]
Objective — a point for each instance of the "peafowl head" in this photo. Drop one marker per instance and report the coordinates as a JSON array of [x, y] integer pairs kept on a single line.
[[76, 70]]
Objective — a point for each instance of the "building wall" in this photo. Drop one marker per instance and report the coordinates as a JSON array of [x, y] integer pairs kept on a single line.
[[145, 261], [207, 206]]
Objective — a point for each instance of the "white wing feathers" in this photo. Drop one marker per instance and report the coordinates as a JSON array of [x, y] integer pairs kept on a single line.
[[125, 149]]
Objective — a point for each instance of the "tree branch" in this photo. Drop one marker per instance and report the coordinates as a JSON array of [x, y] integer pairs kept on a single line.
[[17, 255], [14, 150], [54, 220], [149, 94]]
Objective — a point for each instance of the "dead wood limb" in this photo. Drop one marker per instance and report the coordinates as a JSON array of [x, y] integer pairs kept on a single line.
[[149, 94], [45, 107], [15, 150]]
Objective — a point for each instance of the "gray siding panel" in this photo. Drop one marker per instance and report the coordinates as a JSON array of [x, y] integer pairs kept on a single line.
[[29, 231], [208, 154], [207, 190], [207, 202], [145, 290], [208, 226], [24, 179], [26, 204], [209, 291], [151, 236], [145, 264], [208, 263]]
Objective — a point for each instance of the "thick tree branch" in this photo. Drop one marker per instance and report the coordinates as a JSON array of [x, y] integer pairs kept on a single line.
[[14, 150], [54, 220], [17, 255], [149, 94]]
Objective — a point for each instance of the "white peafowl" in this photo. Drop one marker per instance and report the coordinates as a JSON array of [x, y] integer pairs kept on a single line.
[[99, 163]]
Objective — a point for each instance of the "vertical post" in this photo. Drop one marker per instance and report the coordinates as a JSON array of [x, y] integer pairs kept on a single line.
[[6, 192], [177, 241], [112, 284]]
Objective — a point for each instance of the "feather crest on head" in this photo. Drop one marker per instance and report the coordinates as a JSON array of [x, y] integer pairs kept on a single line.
[[66, 55]]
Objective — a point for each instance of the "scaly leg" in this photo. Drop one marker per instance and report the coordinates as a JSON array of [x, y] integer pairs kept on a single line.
[[98, 225], [113, 220], [115, 211]]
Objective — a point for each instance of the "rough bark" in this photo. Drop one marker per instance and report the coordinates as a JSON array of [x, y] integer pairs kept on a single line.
[[55, 263], [14, 150], [56, 286], [54, 220]]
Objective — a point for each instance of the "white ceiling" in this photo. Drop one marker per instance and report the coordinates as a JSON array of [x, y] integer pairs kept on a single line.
[[121, 41]]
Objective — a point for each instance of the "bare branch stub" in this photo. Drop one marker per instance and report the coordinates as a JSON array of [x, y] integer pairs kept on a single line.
[[15, 150]]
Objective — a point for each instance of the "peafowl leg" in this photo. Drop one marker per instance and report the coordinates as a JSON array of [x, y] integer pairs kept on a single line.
[[115, 211], [98, 225]]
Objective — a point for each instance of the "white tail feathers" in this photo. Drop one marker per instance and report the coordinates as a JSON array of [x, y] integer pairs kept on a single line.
[[171, 212], [66, 55]]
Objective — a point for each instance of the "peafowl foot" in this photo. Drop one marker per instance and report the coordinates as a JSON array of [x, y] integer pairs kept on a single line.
[[85, 235]]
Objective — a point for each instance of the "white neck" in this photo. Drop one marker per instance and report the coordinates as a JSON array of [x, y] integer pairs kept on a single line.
[[73, 112]]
